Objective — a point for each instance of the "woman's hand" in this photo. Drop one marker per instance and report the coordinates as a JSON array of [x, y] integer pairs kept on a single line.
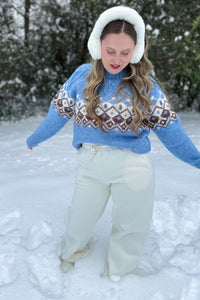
[[31, 148]]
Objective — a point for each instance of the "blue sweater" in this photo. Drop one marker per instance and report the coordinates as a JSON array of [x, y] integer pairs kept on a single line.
[[116, 115]]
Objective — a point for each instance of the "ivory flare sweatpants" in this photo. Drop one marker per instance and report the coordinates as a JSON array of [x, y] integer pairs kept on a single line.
[[129, 178]]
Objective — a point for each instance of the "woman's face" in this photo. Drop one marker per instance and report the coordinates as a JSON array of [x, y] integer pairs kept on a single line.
[[116, 51]]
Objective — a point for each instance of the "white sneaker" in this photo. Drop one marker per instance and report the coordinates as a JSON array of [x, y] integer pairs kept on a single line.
[[115, 278]]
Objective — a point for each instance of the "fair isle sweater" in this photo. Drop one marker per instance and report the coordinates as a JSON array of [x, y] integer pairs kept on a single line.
[[117, 115]]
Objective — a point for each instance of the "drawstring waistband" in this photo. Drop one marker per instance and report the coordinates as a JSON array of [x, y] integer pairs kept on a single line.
[[94, 148]]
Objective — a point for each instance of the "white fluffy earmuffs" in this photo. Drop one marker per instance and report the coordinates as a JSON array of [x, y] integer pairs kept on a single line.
[[118, 13]]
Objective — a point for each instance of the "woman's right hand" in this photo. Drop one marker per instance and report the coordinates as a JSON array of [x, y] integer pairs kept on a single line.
[[31, 148]]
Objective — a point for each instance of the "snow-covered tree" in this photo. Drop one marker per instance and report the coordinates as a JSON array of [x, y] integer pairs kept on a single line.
[[44, 41], [173, 28]]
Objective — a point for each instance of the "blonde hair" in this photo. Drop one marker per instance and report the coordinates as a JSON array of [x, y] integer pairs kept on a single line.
[[137, 81]]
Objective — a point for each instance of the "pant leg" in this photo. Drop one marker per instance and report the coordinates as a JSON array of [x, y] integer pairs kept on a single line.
[[132, 196], [89, 201]]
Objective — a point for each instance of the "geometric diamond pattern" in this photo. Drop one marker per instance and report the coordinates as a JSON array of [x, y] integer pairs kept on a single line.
[[161, 114], [64, 105], [116, 115]]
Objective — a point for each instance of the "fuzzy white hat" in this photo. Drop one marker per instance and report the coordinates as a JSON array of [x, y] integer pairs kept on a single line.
[[118, 13]]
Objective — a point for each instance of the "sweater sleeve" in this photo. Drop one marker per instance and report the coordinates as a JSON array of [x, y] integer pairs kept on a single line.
[[62, 108], [167, 126]]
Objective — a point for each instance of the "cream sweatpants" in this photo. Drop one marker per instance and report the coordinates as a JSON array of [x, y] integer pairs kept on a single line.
[[128, 177]]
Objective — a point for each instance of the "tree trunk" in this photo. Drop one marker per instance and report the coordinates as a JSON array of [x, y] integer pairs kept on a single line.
[[27, 4]]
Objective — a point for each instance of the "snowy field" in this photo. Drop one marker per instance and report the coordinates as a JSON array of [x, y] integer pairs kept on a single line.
[[35, 189]]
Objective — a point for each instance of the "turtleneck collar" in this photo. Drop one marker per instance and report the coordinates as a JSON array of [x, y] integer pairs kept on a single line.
[[117, 76]]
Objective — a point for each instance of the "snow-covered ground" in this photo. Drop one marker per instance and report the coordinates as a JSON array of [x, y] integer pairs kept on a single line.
[[35, 189]]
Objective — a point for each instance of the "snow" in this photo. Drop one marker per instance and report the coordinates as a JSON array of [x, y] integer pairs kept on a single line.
[[156, 32], [38, 234], [149, 27], [36, 188], [178, 38]]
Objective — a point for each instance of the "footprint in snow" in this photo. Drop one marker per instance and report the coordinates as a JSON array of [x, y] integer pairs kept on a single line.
[[38, 235], [7, 269], [192, 291], [9, 222], [158, 296], [187, 258], [45, 275]]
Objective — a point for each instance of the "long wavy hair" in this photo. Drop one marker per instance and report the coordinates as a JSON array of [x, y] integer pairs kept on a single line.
[[137, 81]]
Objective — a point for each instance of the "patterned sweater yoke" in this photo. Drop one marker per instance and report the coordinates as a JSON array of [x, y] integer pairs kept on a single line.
[[116, 114]]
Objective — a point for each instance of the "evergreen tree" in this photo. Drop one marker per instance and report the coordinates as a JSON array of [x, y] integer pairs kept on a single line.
[[12, 87], [48, 40], [174, 48]]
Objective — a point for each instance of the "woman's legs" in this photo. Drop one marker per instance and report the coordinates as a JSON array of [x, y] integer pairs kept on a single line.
[[89, 201], [132, 196], [129, 177]]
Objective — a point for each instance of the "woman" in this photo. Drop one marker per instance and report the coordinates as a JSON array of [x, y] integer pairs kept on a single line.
[[115, 102]]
